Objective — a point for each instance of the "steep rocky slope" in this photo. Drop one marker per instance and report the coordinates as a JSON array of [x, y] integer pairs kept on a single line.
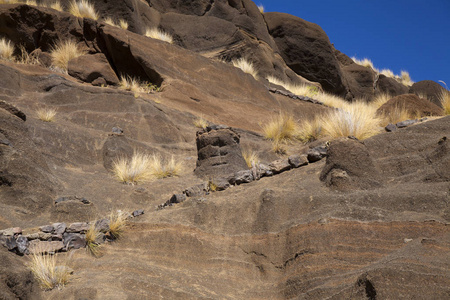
[[368, 222]]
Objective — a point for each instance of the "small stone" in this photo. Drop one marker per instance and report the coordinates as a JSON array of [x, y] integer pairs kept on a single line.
[[196, 190], [37, 246], [177, 198], [297, 161], [407, 240], [58, 230], [244, 176], [43, 236], [279, 166], [406, 123], [137, 213], [46, 228], [10, 243], [22, 245], [264, 170], [316, 154], [117, 130], [11, 231], [5, 142], [390, 127], [74, 241], [77, 227], [102, 225], [221, 184]]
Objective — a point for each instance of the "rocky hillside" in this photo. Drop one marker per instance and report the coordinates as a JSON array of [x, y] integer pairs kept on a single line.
[[314, 216]]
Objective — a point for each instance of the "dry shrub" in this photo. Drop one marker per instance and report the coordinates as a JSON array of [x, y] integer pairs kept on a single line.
[[6, 49], [62, 52], [10, 1], [158, 34], [123, 24], [47, 272], [200, 122], [331, 100], [250, 156], [164, 168], [297, 89], [387, 73], [83, 9], [310, 130], [117, 223], [134, 170], [356, 120], [46, 114], [92, 236], [245, 66]]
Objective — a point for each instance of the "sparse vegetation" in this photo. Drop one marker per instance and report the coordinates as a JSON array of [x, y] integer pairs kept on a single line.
[[164, 168], [132, 84], [365, 62], [250, 156], [200, 122], [109, 21], [46, 114], [356, 120], [310, 130], [245, 66], [27, 58], [6, 49], [47, 272], [261, 8], [62, 52], [31, 2], [55, 5], [380, 99], [123, 24], [134, 170], [92, 235], [117, 223], [405, 79], [444, 98], [158, 34], [281, 128], [83, 9], [212, 186], [395, 115]]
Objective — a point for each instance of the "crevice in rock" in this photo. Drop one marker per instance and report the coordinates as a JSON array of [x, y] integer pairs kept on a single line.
[[371, 293]]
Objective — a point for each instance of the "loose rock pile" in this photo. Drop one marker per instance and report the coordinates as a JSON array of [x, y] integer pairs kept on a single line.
[[56, 237]]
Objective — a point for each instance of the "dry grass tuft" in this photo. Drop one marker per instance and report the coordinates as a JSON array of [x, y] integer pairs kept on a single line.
[[62, 52], [83, 9], [92, 235], [134, 170], [358, 120], [405, 79], [250, 156], [444, 98], [46, 114], [245, 66], [395, 115], [310, 130], [55, 5], [123, 24], [6, 49], [117, 223], [279, 147], [281, 128], [380, 99], [261, 8], [200, 122], [48, 273], [155, 33], [387, 73], [10, 1], [31, 2], [365, 62], [26, 58], [164, 168], [109, 21], [132, 84]]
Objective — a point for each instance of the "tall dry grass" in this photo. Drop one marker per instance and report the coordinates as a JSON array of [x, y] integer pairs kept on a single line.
[[83, 9], [246, 66], [158, 34], [47, 272], [117, 223], [444, 98], [250, 157], [161, 168], [62, 52], [133, 170], [6, 49]]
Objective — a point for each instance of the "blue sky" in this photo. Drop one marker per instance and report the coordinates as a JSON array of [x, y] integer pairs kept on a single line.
[[409, 35]]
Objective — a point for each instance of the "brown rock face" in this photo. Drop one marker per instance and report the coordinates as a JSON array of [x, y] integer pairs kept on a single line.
[[306, 49], [219, 153], [429, 89], [94, 69], [413, 104]]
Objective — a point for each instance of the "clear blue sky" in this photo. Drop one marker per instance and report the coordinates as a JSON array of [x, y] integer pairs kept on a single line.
[[411, 35]]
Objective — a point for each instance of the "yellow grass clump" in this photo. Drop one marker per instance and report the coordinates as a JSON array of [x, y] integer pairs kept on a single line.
[[117, 223], [164, 168], [27, 58], [245, 66], [200, 122], [158, 34], [395, 115], [62, 52], [365, 62], [405, 79], [444, 98], [133, 84], [83, 9], [9, 1], [92, 235], [46, 114], [123, 24], [31, 2], [281, 128], [310, 130], [261, 8], [134, 170], [6, 49], [55, 5], [380, 99], [109, 21], [357, 119], [250, 156], [48, 273]]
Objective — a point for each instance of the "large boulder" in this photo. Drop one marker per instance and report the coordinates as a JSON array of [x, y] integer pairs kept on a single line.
[[306, 49], [349, 166], [219, 152], [412, 103], [94, 69], [428, 89]]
